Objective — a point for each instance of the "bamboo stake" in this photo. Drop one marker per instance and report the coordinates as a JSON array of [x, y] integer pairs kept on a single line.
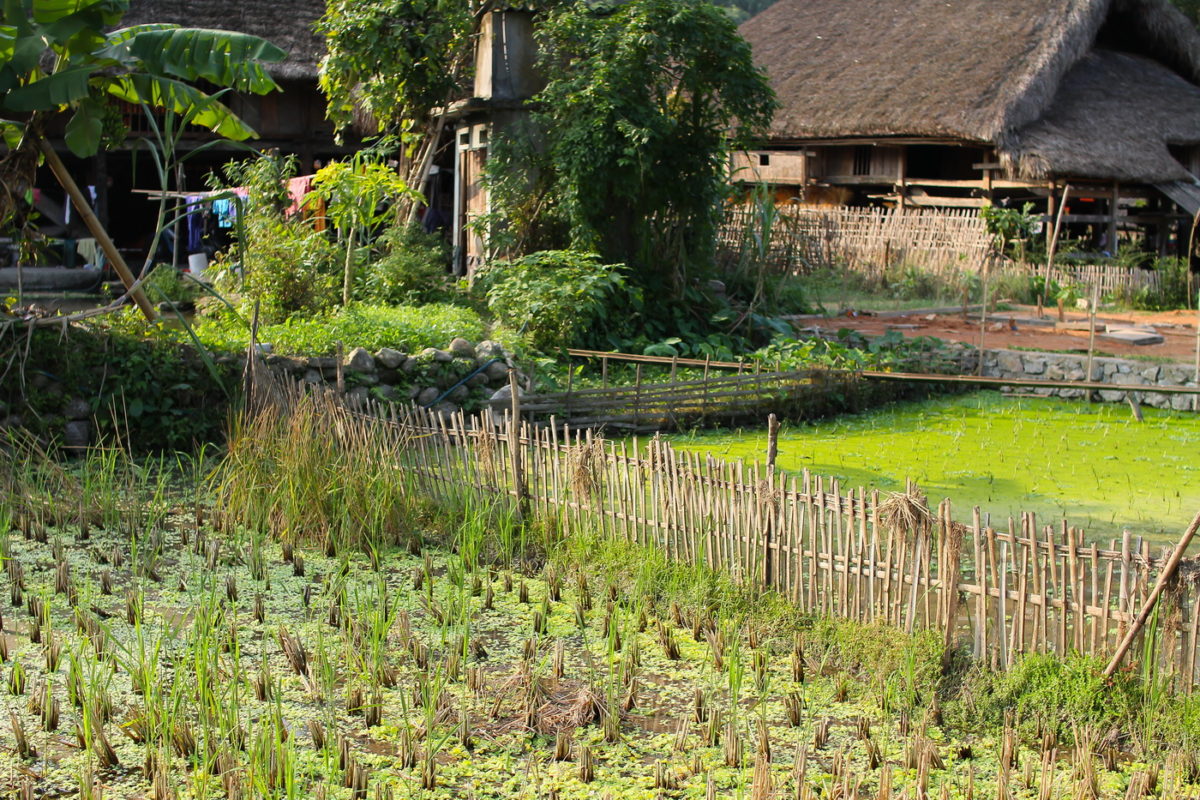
[[1062, 206], [514, 442], [1092, 334], [1163, 577], [97, 230], [1191, 251], [772, 442]]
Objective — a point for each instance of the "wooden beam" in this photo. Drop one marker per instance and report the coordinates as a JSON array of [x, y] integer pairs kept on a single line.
[[930, 200], [1111, 234]]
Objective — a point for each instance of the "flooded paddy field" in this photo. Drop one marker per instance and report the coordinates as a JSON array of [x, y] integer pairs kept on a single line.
[[1094, 464], [182, 662]]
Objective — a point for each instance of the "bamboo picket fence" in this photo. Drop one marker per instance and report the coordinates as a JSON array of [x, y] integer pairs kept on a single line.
[[1023, 585], [1105, 279]]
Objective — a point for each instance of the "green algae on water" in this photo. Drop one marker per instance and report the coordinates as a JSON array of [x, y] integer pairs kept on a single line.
[[1093, 464]]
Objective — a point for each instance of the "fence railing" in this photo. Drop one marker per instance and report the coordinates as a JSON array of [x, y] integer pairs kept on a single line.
[[1007, 587]]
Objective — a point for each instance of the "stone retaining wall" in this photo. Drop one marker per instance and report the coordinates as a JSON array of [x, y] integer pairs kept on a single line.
[[461, 376], [1071, 367]]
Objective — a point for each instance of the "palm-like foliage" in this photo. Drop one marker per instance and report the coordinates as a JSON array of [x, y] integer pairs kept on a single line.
[[56, 56]]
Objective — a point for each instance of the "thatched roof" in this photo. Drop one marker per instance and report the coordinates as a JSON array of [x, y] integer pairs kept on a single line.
[[289, 24], [1112, 117], [984, 70]]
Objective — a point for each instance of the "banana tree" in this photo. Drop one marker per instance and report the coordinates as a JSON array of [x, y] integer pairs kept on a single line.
[[61, 57]]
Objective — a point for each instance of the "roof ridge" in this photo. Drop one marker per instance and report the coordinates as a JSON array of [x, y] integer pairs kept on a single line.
[[1081, 22]]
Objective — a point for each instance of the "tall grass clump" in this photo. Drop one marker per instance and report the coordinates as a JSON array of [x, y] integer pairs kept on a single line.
[[312, 472]]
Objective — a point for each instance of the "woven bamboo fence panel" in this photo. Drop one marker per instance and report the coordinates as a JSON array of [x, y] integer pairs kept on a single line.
[[867, 240], [1106, 279], [648, 407], [872, 241], [1008, 587]]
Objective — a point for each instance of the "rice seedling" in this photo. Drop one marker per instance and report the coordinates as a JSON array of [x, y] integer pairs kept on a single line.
[[364, 685]]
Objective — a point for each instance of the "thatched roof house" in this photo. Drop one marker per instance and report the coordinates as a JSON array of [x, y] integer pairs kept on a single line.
[[959, 100], [293, 120], [290, 25]]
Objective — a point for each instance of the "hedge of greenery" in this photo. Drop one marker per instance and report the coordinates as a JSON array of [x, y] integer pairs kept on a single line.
[[408, 329]]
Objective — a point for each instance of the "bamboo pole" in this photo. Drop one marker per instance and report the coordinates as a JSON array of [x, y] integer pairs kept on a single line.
[[97, 230], [772, 442], [514, 441], [1092, 334], [1062, 206], [1168, 571]]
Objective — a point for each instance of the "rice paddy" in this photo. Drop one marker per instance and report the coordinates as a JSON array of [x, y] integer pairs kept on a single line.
[[1093, 464], [291, 622]]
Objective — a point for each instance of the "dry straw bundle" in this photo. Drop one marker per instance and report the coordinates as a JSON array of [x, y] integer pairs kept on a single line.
[[906, 513], [585, 465]]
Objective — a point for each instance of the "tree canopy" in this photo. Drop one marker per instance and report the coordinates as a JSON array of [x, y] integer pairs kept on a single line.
[[627, 156], [392, 61]]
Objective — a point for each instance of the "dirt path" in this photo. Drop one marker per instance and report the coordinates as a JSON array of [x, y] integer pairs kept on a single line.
[[1018, 329]]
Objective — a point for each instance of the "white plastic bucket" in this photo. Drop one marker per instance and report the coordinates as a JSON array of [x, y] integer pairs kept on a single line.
[[197, 263]]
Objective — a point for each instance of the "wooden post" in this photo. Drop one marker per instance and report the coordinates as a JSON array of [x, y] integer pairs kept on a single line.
[[1062, 207], [97, 230], [1191, 254], [772, 442], [341, 369], [1168, 571], [1112, 218], [1092, 334], [180, 208], [604, 372], [983, 309], [514, 440], [570, 381], [637, 397], [1190, 251], [251, 357]]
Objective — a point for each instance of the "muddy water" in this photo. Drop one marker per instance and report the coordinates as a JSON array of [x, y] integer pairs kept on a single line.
[[1094, 464]]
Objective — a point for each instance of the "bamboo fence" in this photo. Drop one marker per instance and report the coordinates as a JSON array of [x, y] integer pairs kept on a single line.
[[1106, 279], [867, 240], [1023, 585], [872, 241], [646, 406]]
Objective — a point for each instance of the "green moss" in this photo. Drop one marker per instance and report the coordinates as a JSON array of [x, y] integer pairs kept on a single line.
[[1093, 464]]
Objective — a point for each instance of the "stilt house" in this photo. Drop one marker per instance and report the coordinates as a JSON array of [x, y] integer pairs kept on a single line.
[[930, 103]]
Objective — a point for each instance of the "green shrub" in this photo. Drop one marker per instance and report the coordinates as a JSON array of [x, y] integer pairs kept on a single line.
[[411, 270], [142, 382], [1049, 692], [405, 328], [279, 261], [555, 296], [166, 284], [1172, 291], [289, 268]]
